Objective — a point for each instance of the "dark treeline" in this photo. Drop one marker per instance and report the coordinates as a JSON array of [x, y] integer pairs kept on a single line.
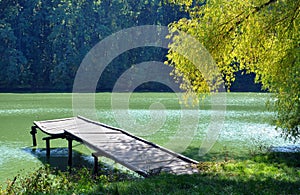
[[42, 42]]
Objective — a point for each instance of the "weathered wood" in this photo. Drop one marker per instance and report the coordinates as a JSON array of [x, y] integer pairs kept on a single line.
[[150, 160], [122, 162], [47, 139], [48, 147], [33, 133], [133, 152], [70, 152], [97, 132], [95, 172]]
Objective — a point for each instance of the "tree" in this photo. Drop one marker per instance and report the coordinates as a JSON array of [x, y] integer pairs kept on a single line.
[[12, 61], [42, 42], [261, 37]]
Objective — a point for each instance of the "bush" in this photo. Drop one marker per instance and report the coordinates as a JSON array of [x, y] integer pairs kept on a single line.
[[49, 181]]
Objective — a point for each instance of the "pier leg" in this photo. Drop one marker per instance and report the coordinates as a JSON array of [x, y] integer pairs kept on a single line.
[[95, 164], [33, 132], [48, 148], [70, 152]]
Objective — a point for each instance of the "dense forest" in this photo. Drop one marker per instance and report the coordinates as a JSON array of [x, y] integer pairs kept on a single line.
[[42, 42]]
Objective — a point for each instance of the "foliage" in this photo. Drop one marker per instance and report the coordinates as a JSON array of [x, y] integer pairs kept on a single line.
[[253, 36], [42, 43], [47, 180]]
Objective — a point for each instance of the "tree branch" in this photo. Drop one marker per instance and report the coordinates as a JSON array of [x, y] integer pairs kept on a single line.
[[256, 9]]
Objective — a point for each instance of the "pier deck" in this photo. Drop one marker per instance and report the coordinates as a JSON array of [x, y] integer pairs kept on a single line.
[[133, 152]]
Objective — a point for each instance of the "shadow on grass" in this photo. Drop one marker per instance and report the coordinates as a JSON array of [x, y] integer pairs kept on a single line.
[[265, 173], [289, 159], [205, 184]]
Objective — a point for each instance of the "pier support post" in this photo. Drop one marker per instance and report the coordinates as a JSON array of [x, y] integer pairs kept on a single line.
[[48, 148], [95, 172], [33, 133], [70, 152], [47, 139]]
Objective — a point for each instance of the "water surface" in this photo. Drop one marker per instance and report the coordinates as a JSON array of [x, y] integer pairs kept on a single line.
[[246, 126]]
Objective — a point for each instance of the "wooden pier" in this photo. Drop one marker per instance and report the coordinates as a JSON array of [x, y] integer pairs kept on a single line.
[[133, 152]]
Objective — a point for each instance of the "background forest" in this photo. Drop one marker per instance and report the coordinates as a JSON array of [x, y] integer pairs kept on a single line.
[[42, 42]]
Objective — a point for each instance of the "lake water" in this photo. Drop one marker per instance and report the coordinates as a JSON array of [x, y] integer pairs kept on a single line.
[[245, 126]]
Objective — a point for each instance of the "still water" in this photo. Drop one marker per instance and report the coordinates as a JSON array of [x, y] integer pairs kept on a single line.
[[246, 125]]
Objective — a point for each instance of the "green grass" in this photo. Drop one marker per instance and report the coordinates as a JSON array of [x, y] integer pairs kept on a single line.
[[268, 173]]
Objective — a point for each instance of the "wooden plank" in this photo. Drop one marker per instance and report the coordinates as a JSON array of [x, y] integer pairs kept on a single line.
[[107, 142], [143, 162], [139, 155], [168, 162], [125, 143], [108, 136], [95, 132], [58, 126], [55, 120], [164, 166], [91, 140], [123, 147], [84, 129], [136, 151], [55, 123]]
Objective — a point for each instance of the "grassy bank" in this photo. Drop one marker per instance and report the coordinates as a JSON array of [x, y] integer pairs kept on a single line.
[[269, 173]]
